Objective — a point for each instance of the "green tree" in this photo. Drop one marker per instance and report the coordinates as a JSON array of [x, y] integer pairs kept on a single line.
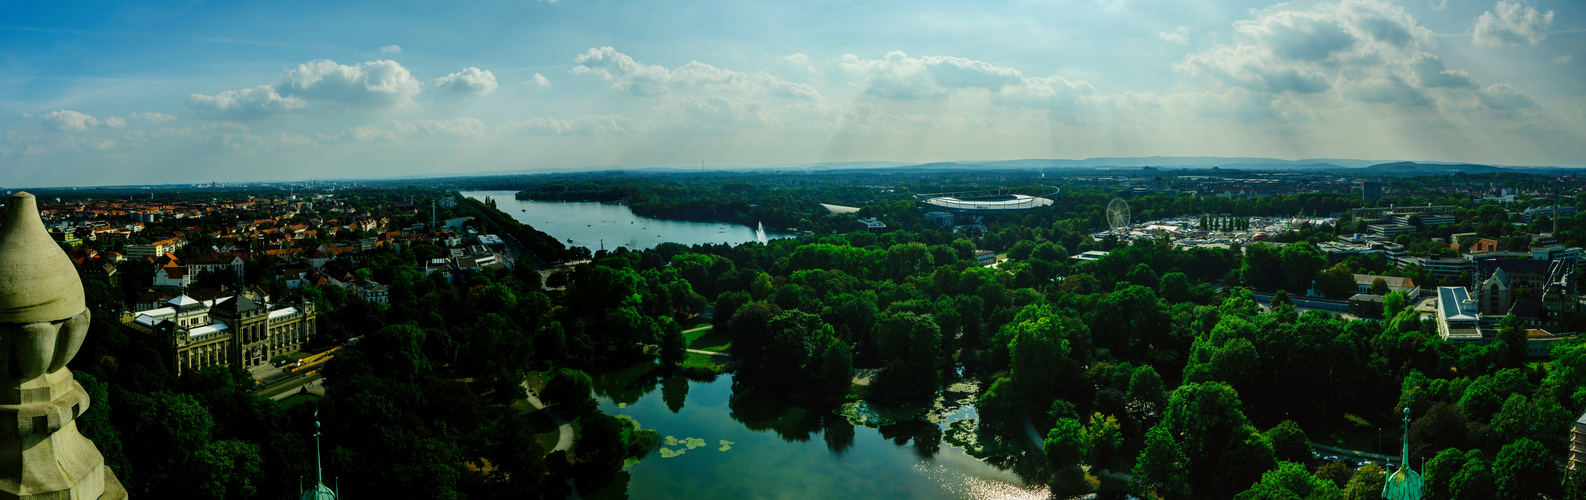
[[1262, 267], [225, 469], [1162, 469], [1379, 286], [674, 348], [570, 388], [1524, 469], [599, 449], [1512, 339], [910, 346], [1103, 441], [999, 407], [1393, 303], [1367, 483], [837, 369], [1146, 387], [1337, 282], [1038, 352], [1224, 450], [1065, 444], [518, 458], [1175, 288], [1335, 472], [1143, 275], [1474, 481], [1289, 443], [1301, 262], [1290, 481]]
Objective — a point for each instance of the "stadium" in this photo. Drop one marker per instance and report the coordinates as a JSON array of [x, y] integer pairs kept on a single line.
[[990, 201]]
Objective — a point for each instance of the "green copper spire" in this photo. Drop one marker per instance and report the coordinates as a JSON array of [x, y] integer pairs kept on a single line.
[[320, 491], [1404, 484]]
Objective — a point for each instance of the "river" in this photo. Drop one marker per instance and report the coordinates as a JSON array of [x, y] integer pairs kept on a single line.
[[595, 225], [720, 441]]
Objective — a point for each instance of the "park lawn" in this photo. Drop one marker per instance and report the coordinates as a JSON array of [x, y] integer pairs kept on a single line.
[[716, 364], [708, 339]]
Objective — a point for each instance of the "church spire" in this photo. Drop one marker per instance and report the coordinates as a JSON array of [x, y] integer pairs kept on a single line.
[[320, 491], [1404, 484], [319, 465]]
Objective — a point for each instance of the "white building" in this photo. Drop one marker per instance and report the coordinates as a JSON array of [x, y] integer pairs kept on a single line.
[[1456, 314]]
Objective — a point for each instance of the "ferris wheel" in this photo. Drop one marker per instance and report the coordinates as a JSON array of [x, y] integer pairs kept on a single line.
[[1118, 214]]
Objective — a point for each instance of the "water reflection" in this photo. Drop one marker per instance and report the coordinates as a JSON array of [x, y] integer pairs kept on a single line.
[[674, 390], [775, 450]]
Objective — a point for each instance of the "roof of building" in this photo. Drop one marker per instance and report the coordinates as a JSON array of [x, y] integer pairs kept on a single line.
[[1449, 299], [1365, 297], [1485, 268], [1392, 281], [235, 305], [285, 311], [207, 329], [182, 301]]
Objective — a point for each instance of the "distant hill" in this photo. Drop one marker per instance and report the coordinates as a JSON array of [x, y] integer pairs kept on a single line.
[[1182, 161], [1410, 168]]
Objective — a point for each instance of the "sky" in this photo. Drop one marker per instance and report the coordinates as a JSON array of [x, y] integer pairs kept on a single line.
[[109, 93]]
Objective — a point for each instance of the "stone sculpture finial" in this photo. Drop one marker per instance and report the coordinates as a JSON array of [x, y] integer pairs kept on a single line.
[[43, 321], [37, 281]]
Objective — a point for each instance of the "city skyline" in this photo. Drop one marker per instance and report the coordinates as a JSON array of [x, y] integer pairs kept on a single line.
[[97, 94]]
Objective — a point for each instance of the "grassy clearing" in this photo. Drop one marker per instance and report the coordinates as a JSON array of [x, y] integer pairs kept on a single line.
[[708, 340], [716, 364]]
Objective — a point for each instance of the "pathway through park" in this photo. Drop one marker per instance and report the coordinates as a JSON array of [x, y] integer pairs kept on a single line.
[[563, 442]]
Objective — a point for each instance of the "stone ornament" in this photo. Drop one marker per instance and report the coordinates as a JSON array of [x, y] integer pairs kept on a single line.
[[43, 320]]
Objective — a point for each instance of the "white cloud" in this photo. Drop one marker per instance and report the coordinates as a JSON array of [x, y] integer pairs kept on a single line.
[[1562, 60], [538, 80], [373, 83], [800, 61], [391, 49], [630, 76], [1503, 96], [899, 76], [451, 127], [1367, 50], [243, 103], [470, 80], [1429, 72], [116, 122], [583, 125], [155, 118], [454, 128], [1512, 24], [66, 120], [224, 126], [1179, 35]]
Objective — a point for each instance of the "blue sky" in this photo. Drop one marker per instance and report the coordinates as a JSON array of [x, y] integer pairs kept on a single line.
[[98, 93]]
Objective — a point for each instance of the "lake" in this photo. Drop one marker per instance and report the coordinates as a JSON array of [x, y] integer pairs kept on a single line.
[[590, 225], [718, 444]]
